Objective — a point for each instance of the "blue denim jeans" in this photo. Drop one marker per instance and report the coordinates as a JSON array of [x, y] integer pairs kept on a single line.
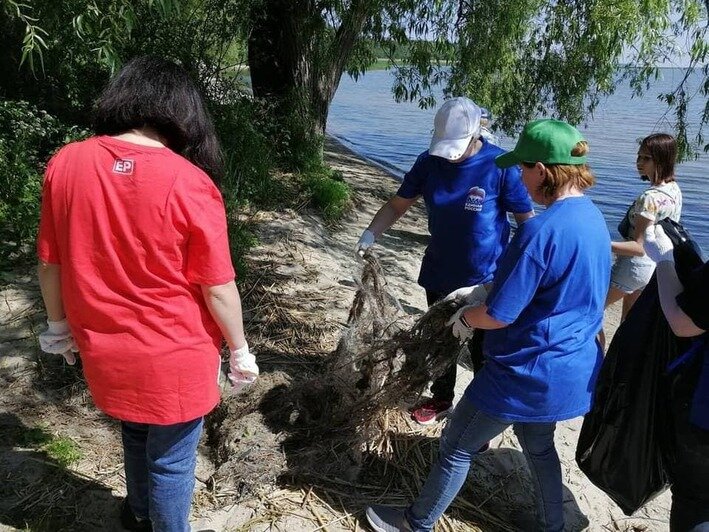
[[467, 430], [159, 463]]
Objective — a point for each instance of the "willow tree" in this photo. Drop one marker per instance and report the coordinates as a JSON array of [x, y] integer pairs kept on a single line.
[[524, 58]]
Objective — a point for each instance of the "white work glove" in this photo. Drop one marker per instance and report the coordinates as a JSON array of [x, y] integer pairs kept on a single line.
[[366, 241], [459, 327], [471, 296], [57, 340], [242, 368], [657, 245]]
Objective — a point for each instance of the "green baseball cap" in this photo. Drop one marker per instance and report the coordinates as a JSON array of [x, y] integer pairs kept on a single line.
[[546, 141]]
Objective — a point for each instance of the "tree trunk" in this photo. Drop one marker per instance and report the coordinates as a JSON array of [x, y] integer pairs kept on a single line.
[[296, 60]]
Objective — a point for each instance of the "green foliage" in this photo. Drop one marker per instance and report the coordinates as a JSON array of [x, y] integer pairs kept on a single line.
[[328, 192], [299, 141], [545, 58], [521, 59], [242, 125], [27, 138], [88, 40], [33, 43], [249, 157], [109, 25]]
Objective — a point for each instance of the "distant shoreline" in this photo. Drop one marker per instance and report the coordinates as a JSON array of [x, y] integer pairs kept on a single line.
[[384, 63]]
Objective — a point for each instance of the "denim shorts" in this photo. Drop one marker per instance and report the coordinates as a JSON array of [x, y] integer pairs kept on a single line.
[[631, 273]]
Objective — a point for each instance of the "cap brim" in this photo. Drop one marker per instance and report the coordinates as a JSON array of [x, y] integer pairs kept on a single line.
[[507, 159], [449, 149]]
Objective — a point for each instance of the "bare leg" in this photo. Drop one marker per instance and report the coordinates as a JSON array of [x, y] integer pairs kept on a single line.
[[614, 295], [628, 302]]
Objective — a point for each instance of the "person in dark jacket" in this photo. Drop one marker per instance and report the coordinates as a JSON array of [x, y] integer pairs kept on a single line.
[[687, 311]]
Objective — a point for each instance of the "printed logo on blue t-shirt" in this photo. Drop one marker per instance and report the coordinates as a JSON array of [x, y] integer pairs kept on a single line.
[[476, 198]]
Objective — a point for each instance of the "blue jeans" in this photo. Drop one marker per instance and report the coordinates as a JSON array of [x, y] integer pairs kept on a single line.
[[467, 430], [159, 463]]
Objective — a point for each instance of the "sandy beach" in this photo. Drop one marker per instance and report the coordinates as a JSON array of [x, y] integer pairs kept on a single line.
[[311, 267]]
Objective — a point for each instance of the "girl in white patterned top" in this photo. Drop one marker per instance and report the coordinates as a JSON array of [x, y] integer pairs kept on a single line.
[[633, 269]]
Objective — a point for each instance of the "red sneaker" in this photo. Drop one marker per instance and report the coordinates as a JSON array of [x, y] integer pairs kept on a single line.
[[431, 411]]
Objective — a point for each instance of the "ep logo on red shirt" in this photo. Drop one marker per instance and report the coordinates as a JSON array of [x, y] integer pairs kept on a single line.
[[124, 166]]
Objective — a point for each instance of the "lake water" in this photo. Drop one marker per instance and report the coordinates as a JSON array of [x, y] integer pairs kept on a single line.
[[364, 116]]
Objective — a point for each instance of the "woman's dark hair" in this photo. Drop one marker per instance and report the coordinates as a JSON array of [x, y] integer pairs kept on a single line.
[[663, 150], [158, 93]]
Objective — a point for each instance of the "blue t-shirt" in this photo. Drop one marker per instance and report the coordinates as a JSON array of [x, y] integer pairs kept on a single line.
[[467, 206], [551, 288]]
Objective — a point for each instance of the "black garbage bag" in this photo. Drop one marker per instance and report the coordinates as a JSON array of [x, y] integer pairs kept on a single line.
[[619, 447], [621, 443]]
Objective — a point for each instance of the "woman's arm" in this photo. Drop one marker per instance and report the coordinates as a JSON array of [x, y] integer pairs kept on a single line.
[[670, 287], [633, 248], [660, 249], [51, 287], [520, 217], [478, 318], [390, 212], [224, 304]]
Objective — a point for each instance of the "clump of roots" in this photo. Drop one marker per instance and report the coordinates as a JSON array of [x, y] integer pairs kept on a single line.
[[384, 359]]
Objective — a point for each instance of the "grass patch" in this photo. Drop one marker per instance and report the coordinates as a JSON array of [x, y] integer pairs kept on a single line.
[[63, 450], [328, 192], [60, 449]]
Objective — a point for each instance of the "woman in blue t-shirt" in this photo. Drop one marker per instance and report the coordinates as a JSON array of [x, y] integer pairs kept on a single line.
[[541, 318], [467, 198]]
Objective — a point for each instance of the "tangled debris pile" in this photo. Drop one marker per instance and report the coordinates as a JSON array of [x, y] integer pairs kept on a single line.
[[319, 425]]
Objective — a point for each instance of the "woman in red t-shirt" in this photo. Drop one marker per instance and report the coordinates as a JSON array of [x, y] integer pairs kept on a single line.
[[136, 276]]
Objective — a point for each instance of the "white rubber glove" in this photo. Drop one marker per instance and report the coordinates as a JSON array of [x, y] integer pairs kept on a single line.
[[366, 241], [57, 340], [459, 327], [242, 368], [657, 245], [471, 296]]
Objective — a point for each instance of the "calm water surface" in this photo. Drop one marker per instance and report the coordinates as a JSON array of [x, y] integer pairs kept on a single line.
[[365, 117]]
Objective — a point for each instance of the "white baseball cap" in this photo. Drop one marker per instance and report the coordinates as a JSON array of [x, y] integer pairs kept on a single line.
[[456, 123]]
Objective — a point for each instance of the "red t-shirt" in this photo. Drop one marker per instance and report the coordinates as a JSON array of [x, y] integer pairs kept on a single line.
[[137, 230]]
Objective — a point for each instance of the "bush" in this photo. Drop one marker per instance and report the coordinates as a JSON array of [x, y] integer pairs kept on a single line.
[[248, 155], [248, 171], [299, 148], [328, 192], [28, 137]]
